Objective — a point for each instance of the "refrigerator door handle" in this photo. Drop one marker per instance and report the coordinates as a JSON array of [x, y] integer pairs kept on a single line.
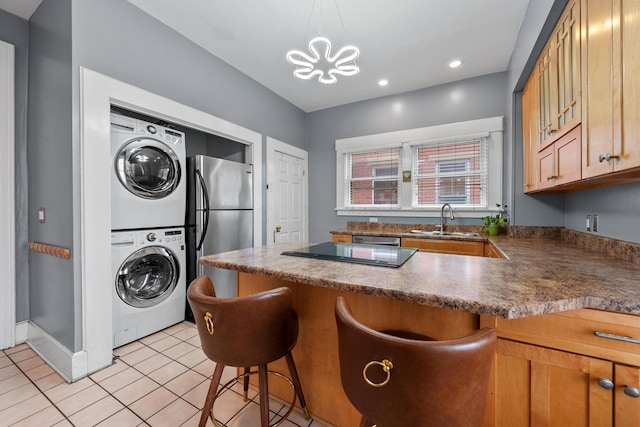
[[205, 223]]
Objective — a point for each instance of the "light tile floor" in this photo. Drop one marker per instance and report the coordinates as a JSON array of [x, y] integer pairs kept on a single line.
[[159, 380]]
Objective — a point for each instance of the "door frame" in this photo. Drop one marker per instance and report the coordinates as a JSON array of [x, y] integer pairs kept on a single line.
[[7, 197], [274, 147], [93, 223]]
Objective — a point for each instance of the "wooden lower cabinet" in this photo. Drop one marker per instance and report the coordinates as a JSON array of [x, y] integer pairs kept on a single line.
[[537, 386], [552, 370], [445, 246], [341, 238]]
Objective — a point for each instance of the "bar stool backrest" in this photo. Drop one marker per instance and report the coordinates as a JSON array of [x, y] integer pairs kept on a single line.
[[243, 331], [430, 383]]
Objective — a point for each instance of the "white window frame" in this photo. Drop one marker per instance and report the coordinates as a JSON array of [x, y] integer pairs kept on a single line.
[[491, 128], [347, 178]]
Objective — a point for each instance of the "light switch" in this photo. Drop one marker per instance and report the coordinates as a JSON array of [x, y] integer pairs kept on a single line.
[[41, 216], [588, 223]]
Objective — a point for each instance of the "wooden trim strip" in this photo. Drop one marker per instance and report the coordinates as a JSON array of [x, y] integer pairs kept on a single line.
[[50, 250]]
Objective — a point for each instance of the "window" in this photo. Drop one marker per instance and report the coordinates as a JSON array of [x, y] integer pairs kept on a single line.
[[450, 172], [373, 178], [414, 172]]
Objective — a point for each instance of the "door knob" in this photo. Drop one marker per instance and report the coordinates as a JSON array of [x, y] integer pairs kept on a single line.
[[278, 228]]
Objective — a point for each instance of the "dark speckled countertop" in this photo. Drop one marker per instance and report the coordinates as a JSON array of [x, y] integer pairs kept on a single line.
[[541, 275]]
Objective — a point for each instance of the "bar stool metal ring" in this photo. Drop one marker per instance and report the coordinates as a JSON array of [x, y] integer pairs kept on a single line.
[[227, 385]]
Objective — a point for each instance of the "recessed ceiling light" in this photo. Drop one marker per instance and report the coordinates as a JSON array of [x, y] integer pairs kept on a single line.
[[383, 82], [455, 63]]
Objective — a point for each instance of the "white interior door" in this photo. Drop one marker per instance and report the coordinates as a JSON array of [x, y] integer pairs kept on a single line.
[[7, 198], [287, 187]]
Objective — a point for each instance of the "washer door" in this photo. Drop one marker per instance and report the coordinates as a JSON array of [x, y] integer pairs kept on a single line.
[[148, 168], [147, 277]]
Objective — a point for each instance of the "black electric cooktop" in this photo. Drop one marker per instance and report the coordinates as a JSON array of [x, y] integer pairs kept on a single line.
[[383, 256]]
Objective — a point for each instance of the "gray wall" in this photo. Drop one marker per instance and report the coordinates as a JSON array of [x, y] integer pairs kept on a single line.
[[53, 298], [118, 39], [475, 98], [15, 30], [617, 207]]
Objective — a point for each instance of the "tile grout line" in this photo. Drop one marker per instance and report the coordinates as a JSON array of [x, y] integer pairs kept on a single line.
[[23, 373]]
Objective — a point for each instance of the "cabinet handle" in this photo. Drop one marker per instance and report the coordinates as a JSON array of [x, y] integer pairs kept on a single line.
[[605, 383], [616, 337], [607, 157], [549, 178], [632, 392]]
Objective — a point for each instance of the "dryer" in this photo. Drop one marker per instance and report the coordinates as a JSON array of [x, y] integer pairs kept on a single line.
[[148, 183], [149, 282]]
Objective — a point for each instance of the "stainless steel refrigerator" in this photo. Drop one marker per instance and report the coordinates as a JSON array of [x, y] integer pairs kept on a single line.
[[219, 216]]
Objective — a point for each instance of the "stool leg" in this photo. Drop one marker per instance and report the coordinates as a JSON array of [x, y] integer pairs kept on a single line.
[[211, 394], [263, 385], [245, 384], [296, 382]]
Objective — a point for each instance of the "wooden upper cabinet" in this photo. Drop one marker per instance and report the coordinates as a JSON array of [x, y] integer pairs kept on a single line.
[[558, 79], [627, 146], [599, 86], [610, 65], [530, 135]]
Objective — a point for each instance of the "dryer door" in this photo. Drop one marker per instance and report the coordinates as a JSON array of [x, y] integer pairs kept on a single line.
[[148, 168], [147, 277]]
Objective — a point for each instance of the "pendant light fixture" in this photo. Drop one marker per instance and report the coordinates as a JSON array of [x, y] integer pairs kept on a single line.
[[319, 61]]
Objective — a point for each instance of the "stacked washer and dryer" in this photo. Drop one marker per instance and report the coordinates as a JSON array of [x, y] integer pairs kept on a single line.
[[148, 199]]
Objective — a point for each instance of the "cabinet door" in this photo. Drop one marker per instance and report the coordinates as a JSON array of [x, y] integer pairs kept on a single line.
[[546, 167], [598, 86], [567, 67], [529, 136], [537, 386], [445, 246], [341, 238], [627, 408], [567, 157], [627, 145], [546, 99]]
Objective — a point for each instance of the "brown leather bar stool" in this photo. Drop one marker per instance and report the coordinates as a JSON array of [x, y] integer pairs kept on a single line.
[[243, 332], [394, 381]]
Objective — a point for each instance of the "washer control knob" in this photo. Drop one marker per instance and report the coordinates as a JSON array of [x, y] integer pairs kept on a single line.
[[152, 129], [151, 237]]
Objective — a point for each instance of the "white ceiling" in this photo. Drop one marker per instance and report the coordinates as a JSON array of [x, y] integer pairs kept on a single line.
[[22, 8], [408, 42]]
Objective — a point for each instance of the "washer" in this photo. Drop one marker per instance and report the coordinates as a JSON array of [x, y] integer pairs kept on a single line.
[[149, 286], [148, 183]]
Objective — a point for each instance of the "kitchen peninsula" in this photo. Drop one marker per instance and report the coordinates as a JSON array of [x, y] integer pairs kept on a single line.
[[448, 296]]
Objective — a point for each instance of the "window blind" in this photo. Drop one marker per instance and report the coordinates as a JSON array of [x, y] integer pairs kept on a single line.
[[373, 178], [450, 171]]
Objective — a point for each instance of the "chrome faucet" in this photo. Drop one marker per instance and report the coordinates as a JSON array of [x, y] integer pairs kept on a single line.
[[451, 216]]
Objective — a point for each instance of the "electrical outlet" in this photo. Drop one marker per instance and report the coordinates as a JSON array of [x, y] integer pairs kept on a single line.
[[373, 219], [596, 222], [41, 215], [588, 223]]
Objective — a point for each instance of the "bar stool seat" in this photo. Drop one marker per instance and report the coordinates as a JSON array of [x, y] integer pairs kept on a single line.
[[395, 381], [243, 332]]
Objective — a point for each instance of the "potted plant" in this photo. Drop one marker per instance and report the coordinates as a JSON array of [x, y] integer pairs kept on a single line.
[[492, 222]]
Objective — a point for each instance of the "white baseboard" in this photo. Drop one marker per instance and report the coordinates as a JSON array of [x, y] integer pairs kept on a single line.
[[22, 329], [71, 366]]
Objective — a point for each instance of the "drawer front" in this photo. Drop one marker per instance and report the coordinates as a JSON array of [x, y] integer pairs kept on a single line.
[[445, 246], [341, 238], [602, 334]]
